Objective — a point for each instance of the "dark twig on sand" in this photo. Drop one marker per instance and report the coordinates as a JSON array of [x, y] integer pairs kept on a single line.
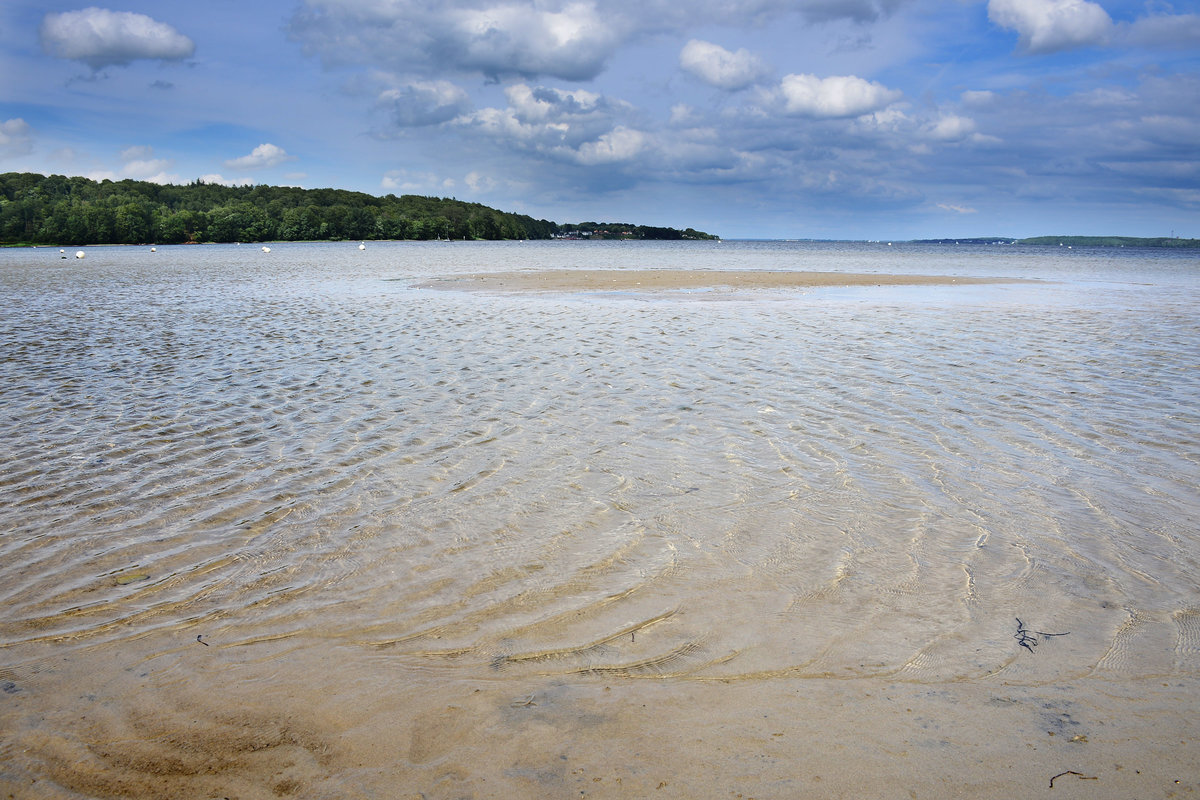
[[1082, 777], [1028, 641], [198, 635]]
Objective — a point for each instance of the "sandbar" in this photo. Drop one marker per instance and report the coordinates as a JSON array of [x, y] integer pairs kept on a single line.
[[626, 280]]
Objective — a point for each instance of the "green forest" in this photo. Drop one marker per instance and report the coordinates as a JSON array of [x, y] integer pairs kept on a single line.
[[57, 210]]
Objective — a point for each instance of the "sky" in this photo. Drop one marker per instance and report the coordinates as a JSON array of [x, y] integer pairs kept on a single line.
[[809, 119]]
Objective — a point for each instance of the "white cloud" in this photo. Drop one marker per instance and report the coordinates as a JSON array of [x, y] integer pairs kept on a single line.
[[834, 97], [101, 38], [419, 183], [1047, 26], [261, 157], [216, 178], [479, 182], [719, 67], [519, 39], [957, 209], [152, 171], [978, 98], [16, 138], [419, 103], [546, 120], [526, 38], [619, 144], [950, 128]]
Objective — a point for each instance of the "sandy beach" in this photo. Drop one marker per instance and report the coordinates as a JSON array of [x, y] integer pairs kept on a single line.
[[320, 723], [294, 528], [626, 280]]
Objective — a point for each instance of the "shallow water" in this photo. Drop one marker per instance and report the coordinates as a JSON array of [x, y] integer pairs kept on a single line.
[[365, 495]]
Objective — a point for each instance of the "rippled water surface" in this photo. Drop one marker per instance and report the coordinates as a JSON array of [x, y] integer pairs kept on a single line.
[[303, 458]]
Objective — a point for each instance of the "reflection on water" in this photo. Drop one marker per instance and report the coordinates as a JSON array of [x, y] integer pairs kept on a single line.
[[868, 482]]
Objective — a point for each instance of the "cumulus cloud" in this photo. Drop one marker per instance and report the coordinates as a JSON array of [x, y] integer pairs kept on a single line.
[[543, 118], [951, 128], [521, 38], [576, 126], [1048, 26], [834, 97], [140, 163], [261, 157], [719, 67], [102, 38], [217, 178], [16, 138], [414, 183], [619, 144], [420, 103]]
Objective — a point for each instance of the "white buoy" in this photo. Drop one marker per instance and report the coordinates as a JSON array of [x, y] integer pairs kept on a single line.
[[153, 249], [266, 249], [79, 254]]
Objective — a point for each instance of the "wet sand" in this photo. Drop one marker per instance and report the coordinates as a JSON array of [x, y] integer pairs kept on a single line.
[[296, 529], [300, 719], [625, 280]]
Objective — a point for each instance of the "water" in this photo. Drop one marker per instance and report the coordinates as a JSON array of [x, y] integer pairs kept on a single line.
[[411, 516]]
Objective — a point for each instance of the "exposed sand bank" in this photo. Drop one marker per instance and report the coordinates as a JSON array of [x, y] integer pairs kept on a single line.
[[624, 280]]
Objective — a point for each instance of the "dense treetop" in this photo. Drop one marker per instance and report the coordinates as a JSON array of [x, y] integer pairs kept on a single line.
[[36, 209]]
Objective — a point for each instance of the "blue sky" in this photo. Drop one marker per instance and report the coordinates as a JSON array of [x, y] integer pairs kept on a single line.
[[858, 119]]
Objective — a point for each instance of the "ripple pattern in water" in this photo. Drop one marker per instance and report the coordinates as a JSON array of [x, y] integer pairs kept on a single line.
[[838, 483]]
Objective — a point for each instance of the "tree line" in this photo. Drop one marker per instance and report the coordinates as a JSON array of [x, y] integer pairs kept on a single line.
[[39, 209], [36, 209]]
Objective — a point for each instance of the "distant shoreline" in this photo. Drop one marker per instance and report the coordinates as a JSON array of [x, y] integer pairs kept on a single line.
[[1073, 241], [1037, 241]]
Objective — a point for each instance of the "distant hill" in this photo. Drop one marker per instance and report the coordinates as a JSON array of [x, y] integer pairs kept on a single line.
[[36, 209], [1073, 241]]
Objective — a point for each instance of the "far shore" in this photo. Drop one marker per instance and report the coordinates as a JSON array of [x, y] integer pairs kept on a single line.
[[580, 280]]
